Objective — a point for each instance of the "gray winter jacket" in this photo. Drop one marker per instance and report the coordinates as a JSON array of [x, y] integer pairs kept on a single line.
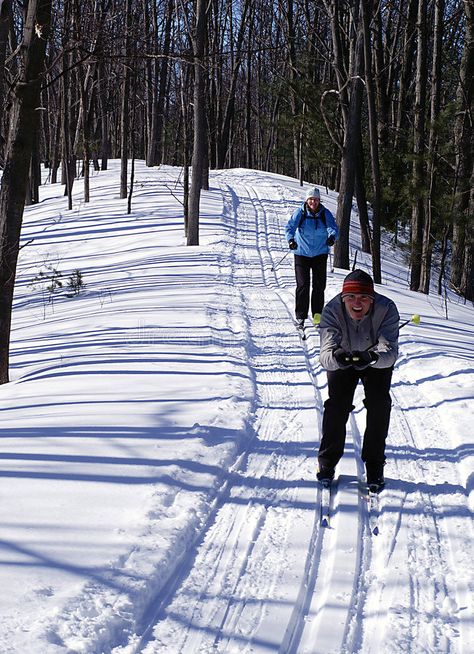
[[379, 329]]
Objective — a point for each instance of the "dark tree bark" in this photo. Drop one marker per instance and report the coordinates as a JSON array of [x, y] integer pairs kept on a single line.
[[68, 159], [5, 18], [349, 152], [419, 144], [294, 98], [200, 136], [124, 114], [24, 122], [248, 95], [104, 117], [366, 8], [462, 259], [361, 198], [404, 97], [428, 240], [157, 76], [184, 84], [228, 115]]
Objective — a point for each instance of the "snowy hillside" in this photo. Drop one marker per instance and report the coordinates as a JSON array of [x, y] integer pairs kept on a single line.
[[159, 439]]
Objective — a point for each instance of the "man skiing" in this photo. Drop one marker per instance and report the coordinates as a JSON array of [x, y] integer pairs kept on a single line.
[[359, 342], [310, 232]]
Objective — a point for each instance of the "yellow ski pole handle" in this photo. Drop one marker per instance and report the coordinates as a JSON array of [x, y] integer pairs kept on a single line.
[[415, 319]]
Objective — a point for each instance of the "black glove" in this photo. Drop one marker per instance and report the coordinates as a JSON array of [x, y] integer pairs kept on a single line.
[[292, 244], [343, 358], [362, 359], [330, 240]]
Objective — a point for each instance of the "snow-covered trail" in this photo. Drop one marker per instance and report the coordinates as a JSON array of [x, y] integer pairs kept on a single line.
[[266, 576], [187, 517], [243, 588]]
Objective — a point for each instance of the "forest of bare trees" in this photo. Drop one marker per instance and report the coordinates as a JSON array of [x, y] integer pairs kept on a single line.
[[371, 98]]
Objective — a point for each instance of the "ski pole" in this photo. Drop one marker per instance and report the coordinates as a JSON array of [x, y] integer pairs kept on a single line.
[[415, 319], [281, 261]]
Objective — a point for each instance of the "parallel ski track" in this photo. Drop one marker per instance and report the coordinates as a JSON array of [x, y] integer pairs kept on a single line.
[[428, 537], [411, 533], [231, 545], [245, 523], [316, 554]]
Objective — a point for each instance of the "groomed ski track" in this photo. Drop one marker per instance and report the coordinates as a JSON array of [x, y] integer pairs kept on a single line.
[[263, 575]]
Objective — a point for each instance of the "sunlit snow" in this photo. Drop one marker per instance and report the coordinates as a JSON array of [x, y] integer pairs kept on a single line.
[[159, 439]]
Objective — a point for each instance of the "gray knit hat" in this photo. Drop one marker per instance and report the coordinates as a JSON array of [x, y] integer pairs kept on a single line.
[[313, 193]]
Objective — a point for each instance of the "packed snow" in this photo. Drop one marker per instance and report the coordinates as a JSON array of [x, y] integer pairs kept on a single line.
[[160, 430]]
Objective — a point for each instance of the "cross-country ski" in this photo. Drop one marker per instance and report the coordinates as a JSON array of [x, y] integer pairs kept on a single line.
[[325, 503]]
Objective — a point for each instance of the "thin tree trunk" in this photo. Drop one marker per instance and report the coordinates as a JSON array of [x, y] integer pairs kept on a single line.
[[349, 156], [200, 136], [462, 268], [185, 75], [407, 61], [418, 172], [248, 96], [428, 241], [104, 120], [361, 198], [225, 131], [366, 7], [124, 114]]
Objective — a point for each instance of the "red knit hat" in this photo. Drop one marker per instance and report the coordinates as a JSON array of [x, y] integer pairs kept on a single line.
[[358, 281]]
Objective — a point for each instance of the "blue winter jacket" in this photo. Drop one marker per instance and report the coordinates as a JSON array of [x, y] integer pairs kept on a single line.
[[310, 232]]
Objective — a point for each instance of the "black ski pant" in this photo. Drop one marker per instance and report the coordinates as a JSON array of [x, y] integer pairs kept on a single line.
[[305, 267], [338, 406]]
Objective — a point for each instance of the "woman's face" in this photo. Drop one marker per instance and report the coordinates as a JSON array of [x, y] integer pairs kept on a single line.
[[357, 305], [313, 203]]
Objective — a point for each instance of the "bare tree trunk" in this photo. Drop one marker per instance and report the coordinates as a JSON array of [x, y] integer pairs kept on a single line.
[[157, 80], [68, 159], [293, 77], [361, 198], [418, 172], [349, 154], [462, 267], [248, 96], [366, 7], [185, 75], [104, 120], [24, 121], [225, 129], [124, 115], [5, 18], [428, 240], [151, 76], [407, 62], [34, 180], [200, 136]]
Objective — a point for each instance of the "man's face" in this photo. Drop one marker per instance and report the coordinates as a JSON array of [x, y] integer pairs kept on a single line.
[[313, 203], [357, 305]]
